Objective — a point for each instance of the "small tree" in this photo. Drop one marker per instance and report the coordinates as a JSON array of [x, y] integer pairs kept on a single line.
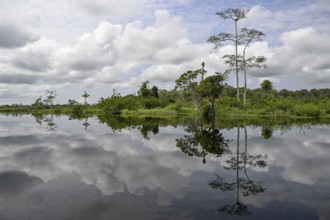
[[144, 90], [85, 96], [38, 102], [154, 92], [211, 88], [72, 102], [266, 85], [51, 95], [187, 83]]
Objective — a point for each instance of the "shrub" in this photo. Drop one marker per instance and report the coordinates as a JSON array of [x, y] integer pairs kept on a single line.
[[308, 110], [284, 105]]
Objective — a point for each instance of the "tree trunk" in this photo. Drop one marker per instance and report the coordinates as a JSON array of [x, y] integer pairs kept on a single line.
[[236, 56], [244, 97]]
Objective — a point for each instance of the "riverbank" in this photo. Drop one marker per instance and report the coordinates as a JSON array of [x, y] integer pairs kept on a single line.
[[171, 110]]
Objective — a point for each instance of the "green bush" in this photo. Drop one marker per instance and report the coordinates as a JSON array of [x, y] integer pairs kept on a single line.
[[115, 104], [150, 103], [308, 110], [284, 105]]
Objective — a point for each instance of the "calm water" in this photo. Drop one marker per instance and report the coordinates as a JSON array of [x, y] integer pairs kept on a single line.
[[55, 168]]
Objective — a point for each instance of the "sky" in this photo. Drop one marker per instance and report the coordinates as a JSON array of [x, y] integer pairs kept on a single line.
[[100, 46]]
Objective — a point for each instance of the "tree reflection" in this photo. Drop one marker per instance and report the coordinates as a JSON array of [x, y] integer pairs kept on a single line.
[[146, 126], [50, 124], [48, 120], [86, 124], [149, 126], [266, 131], [240, 161], [203, 140]]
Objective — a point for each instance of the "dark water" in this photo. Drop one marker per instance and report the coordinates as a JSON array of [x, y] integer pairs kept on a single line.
[[55, 168]]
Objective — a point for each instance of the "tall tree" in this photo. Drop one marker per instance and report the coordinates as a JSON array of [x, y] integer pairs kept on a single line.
[[244, 64], [234, 14], [85, 96], [248, 36]]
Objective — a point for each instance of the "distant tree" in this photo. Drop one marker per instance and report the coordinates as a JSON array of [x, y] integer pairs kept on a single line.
[[144, 90], [115, 93], [72, 102], [266, 85], [154, 92], [85, 96], [51, 95], [38, 102], [170, 96], [284, 93]]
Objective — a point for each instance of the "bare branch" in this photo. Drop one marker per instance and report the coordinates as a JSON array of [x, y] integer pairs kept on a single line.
[[220, 38]]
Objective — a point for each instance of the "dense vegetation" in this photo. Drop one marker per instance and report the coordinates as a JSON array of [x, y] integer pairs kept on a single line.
[[260, 102]]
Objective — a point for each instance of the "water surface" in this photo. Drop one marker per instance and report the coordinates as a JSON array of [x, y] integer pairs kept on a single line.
[[55, 168]]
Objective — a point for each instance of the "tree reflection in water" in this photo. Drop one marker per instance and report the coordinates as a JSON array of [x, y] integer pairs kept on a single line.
[[86, 124], [238, 161], [48, 120], [203, 140]]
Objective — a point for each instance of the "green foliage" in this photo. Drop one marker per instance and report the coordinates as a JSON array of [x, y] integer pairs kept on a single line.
[[77, 110], [154, 92], [309, 110], [115, 104], [145, 92], [207, 113], [153, 103], [266, 85], [187, 81], [266, 132], [284, 105], [212, 86], [171, 96], [187, 84]]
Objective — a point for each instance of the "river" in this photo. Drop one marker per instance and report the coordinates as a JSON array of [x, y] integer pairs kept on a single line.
[[55, 167]]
